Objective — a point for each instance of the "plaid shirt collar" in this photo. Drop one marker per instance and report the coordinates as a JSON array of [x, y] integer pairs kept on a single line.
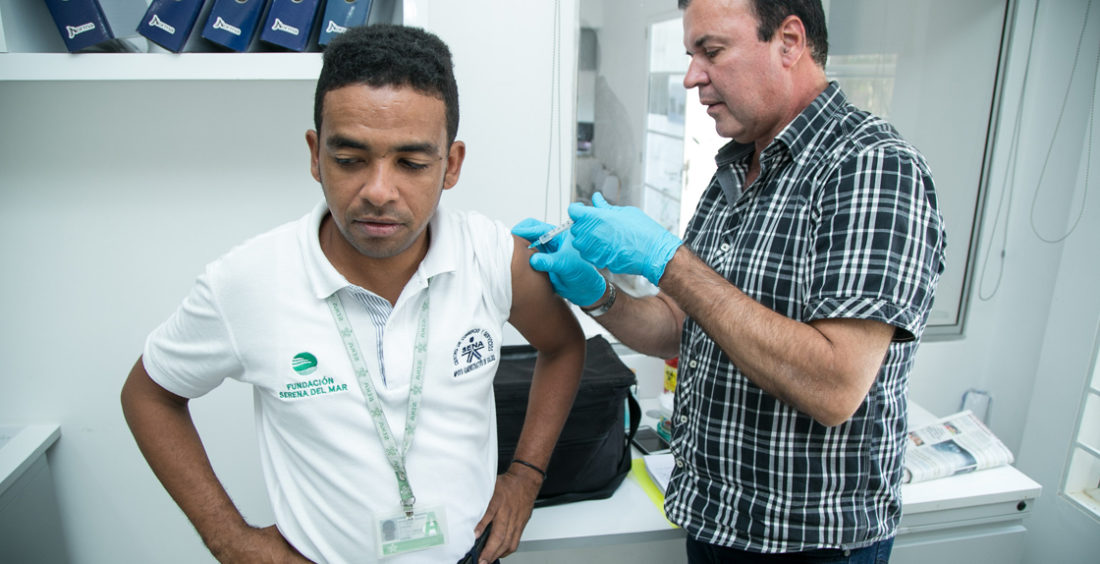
[[795, 138]]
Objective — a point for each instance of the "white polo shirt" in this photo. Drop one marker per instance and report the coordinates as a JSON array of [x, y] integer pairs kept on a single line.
[[258, 315]]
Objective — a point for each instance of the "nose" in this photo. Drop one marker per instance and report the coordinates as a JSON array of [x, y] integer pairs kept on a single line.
[[695, 76], [378, 184]]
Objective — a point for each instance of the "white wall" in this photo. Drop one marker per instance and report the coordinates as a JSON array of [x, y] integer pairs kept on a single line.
[[1058, 530], [113, 195], [516, 92]]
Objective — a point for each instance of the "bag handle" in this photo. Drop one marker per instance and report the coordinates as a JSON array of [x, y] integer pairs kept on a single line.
[[635, 411]]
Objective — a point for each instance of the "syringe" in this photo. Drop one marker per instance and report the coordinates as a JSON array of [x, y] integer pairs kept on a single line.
[[546, 237]]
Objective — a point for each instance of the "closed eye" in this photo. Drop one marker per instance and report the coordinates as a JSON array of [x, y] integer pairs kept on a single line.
[[412, 165], [709, 54], [347, 161]]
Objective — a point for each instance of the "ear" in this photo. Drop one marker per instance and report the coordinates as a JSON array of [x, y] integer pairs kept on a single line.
[[314, 154], [791, 37], [455, 155]]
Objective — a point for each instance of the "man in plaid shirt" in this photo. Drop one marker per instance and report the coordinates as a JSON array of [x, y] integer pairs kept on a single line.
[[795, 301]]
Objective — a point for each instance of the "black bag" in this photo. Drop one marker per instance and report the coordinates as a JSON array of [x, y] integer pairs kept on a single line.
[[592, 456]]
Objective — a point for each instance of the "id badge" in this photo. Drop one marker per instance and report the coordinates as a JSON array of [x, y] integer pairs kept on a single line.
[[399, 534]]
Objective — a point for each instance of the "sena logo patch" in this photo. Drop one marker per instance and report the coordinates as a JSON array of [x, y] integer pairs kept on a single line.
[[474, 350]]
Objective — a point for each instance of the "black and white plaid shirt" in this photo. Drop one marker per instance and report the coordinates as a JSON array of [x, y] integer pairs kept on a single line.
[[841, 223]]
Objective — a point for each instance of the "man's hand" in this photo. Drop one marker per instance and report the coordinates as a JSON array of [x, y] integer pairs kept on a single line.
[[509, 510], [572, 277], [259, 546], [621, 239]]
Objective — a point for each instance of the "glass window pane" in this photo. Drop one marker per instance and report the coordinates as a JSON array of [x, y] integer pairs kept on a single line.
[[664, 163], [1082, 480], [667, 101], [1090, 423], [662, 207]]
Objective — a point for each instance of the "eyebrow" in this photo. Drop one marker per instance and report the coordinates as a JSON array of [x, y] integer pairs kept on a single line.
[[701, 41], [341, 142]]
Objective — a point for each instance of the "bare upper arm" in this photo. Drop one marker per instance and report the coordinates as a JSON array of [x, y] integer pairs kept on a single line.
[[858, 349], [537, 312], [862, 343], [140, 386]]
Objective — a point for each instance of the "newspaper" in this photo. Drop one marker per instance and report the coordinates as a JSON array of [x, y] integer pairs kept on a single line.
[[956, 444]]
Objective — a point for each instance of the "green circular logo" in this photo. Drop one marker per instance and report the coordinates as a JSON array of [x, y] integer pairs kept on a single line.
[[304, 363]]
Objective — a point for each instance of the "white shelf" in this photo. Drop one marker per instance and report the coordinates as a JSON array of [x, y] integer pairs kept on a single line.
[[159, 66]]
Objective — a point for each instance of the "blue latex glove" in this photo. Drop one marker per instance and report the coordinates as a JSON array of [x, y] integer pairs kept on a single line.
[[621, 239], [572, 277]]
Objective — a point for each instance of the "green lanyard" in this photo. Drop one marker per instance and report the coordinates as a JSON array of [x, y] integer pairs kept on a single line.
[[394, 454]]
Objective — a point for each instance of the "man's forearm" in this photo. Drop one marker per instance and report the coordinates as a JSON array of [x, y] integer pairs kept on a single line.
[[649, 325], [553, 388], [167, 437], [822, 368]]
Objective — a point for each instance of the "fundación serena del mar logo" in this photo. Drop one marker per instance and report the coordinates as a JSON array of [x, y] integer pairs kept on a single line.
[[304, 363]]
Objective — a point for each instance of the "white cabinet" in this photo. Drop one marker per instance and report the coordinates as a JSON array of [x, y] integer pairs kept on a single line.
[[30, 523]]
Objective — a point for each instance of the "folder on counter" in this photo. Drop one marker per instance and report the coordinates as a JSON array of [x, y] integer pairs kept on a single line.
[[168, 23], [340, 15], [289, 23], [81, 23], [650, 484], [232, 23]]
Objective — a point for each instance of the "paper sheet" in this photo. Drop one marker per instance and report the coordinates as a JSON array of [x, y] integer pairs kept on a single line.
[[659, 467]]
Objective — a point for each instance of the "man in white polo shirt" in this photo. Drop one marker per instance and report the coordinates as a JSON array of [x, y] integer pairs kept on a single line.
[[370, 331]]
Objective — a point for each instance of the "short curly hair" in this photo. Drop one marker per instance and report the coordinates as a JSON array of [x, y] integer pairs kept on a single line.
[[390, 55]]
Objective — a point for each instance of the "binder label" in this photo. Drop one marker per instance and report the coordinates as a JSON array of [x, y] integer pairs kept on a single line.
[[221, 24], [333, 27], [280, 26], [77, 30], [159, 23]]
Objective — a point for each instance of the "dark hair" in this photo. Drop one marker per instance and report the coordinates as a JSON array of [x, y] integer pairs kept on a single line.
[[771, 13], [390, 55]]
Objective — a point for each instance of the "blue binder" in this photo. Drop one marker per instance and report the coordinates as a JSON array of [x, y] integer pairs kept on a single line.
[[80, 22], [289, 23], [340, 15], [168, 23], [232, 23]]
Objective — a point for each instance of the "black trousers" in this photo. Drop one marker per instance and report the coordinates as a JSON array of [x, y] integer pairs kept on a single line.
[[474, 553], [705, 553]]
